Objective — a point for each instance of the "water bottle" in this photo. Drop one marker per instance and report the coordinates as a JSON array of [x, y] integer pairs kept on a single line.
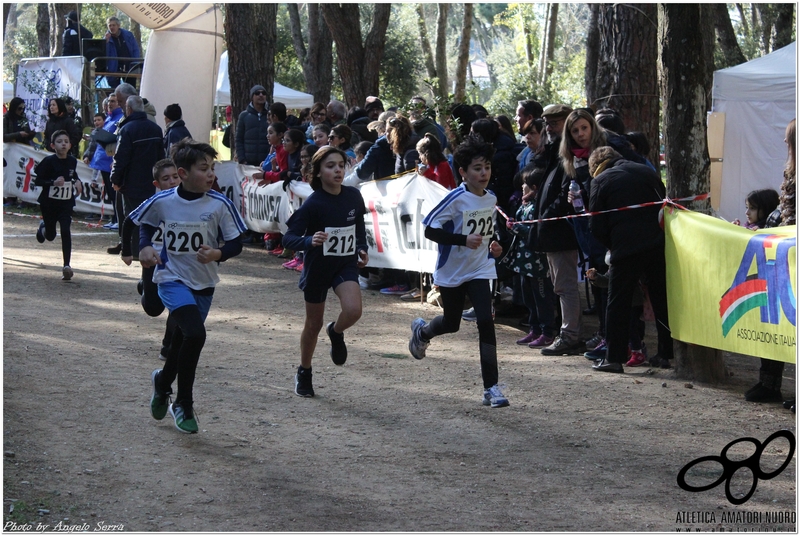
[[577, 198]]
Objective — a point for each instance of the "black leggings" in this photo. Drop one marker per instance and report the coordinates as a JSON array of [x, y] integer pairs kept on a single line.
[[188, 340], [479, 292], [63, 216]]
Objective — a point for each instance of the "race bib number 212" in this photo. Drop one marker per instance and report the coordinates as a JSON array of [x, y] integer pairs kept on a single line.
[[340, 241]]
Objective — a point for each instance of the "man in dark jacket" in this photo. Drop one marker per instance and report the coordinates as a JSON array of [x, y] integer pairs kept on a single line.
[[251, 144], [637, 247], [175, 127], [557, 238], [73, 33], [140, 145]]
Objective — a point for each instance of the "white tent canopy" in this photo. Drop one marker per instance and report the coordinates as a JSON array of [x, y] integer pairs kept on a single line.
[[759, 100], [292, 98]]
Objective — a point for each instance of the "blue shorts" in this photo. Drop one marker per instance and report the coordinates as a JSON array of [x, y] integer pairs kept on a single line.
[[176, 295], [315, 290]]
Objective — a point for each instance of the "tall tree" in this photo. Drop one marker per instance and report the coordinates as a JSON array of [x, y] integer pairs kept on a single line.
[[765, 12], [135, 29], [358, 60], [317, 58], [427, 51], [626, 77], [463, 53], [592, 54], [549, 48], [43, 29], [726, 36], [783, 24], [8, 7], [58, 13], [441, 50], [686, 83], [250, 32]]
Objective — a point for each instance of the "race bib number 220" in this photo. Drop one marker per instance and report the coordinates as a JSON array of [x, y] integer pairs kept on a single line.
[[184, 237]]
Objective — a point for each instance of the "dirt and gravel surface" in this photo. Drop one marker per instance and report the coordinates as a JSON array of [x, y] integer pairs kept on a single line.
[[388, 443]]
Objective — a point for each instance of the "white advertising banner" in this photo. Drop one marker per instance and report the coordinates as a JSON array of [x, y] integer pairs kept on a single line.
[[19, 162], [59, 76], [394, 208]]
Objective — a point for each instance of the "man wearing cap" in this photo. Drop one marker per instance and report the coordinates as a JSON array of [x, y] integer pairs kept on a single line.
[[251, 144], [557, 238], [119, 43], [373, 107], [175, 127], [73, 33]]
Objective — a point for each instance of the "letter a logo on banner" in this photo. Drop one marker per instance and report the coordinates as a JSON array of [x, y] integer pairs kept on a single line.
[[768, 289]]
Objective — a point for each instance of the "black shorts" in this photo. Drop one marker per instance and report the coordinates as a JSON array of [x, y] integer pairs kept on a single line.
[[315, 285]]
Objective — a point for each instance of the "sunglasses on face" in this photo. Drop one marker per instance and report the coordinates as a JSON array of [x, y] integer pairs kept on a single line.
[[319, 114], [332, 136], [260, 93]]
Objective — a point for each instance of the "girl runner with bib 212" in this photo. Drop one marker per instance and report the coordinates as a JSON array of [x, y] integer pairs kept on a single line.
[[329, 227]]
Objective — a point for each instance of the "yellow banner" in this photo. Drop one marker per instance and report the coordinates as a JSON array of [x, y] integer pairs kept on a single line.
[[730, 288]]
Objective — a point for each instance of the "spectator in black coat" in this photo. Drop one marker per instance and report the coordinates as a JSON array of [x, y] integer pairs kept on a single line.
[[140, 145], [73, 33], [175, 127], [637, 248], [251, 143]]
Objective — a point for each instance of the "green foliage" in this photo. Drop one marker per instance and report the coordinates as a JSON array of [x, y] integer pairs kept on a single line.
[[402, 65], [288, 70]]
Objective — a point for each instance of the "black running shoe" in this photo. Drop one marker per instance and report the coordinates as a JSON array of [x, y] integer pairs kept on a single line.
[[302, 382], [338, 349], [40, 232]]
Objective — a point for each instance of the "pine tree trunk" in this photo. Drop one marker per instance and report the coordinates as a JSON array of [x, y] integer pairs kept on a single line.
[[528, 44], [626, 78], [8, 9], [766, 15], [742, 16], [43, 29], [726, 37], [542, 55], [58, 13], [592, 55], [427, 51], [317, 58], [358, 62], [250, 32], [783, 24], [135, 29], [441, 50], [686, 82], [463, 53], [552, 27]]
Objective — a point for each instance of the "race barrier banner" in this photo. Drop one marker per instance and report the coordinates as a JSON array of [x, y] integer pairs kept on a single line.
[[730, 288], [19, 162], [395, 210]]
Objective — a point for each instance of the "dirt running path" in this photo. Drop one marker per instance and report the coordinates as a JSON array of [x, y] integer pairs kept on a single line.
[[389, 443]]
